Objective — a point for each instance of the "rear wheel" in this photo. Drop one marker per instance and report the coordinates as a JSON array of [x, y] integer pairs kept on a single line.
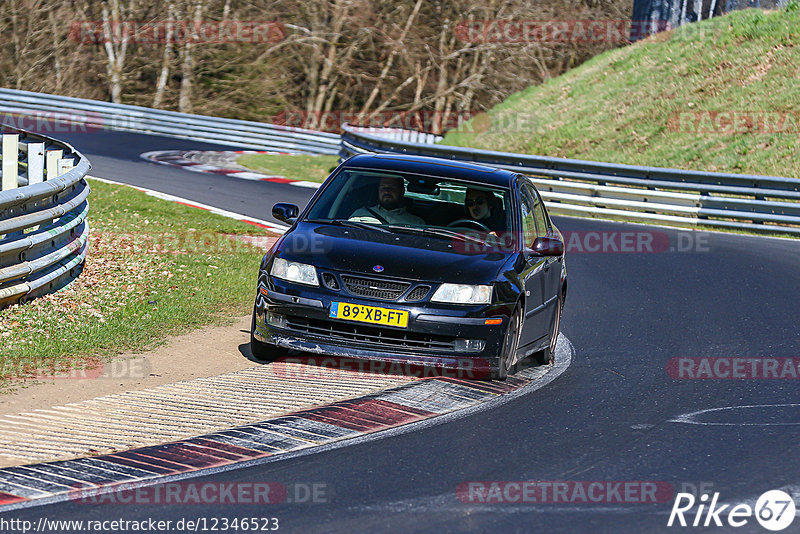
[[510, 344], [546, 356], [262, 352]]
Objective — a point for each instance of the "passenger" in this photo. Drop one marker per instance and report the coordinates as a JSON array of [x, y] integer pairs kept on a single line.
[[483, 207], [391, 205]]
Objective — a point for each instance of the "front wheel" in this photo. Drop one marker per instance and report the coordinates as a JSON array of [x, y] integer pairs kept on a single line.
[[262, 352], [510, 344]]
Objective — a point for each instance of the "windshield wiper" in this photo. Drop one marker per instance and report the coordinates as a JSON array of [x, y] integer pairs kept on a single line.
[[451, 233], [440, 232], [352, 224], [388, 228], [412, 229]]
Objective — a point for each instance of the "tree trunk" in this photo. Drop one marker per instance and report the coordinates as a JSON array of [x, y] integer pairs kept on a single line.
[[163, 77], [115, 51], [56, 51], [339, 15], [187, 67], [698, 9], [441, 83]]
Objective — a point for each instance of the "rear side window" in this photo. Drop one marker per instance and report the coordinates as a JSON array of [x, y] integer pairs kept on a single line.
[[542, 224], [527, 211]]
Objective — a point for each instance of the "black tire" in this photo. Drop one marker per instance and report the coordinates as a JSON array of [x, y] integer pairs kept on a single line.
[[546, 356], [510, 344], [262, 352]]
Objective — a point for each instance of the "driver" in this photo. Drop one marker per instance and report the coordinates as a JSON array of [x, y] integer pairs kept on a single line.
[[390, 208], [481, 205]]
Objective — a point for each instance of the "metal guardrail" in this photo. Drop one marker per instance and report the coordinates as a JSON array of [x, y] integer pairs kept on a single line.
[[675, 197], [398, 134], [43, 209], [47, 111]]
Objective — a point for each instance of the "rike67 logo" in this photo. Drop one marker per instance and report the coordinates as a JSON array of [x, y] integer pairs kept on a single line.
[[774, 510]]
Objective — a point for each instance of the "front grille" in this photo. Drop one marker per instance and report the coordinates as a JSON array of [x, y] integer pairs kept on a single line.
[[385, 338], [374, 289], [418, 293]]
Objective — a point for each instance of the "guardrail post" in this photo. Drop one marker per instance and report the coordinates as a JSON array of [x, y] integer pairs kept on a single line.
[[35, 163], [65, 165], [52, 163], [10, 161]]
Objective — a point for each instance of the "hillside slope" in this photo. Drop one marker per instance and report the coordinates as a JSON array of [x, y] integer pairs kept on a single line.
[[719, 95]]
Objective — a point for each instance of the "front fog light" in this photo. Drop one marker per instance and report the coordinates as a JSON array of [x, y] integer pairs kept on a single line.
[[276, 319], [469, 345]]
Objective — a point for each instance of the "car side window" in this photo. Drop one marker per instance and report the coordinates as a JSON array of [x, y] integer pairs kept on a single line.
[[537, 208], [529, 233], [542, 224]]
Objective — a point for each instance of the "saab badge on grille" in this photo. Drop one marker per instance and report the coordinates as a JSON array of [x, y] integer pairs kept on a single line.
[[378, 268]]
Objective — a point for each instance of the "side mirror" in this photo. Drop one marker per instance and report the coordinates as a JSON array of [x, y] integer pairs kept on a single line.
[[285, 212], [548, 246]]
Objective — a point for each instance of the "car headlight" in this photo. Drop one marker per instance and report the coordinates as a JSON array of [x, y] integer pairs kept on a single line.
[[463, 294], [294, 272]]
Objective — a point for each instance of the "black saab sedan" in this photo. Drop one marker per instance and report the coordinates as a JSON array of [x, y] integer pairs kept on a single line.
[[414, 260]]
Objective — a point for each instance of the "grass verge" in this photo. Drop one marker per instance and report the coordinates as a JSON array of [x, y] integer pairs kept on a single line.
[[155, 268], [663, 101], [293, 167]]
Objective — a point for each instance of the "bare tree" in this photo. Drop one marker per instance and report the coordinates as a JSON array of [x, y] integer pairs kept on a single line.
[[116, 37], [187, 67], [390, 59], [169, 37]]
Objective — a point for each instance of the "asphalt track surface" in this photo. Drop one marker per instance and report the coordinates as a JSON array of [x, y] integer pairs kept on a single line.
[[122, 163], [609, 417]]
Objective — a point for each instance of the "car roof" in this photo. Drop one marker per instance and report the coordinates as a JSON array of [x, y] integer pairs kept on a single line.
[[445, 168]]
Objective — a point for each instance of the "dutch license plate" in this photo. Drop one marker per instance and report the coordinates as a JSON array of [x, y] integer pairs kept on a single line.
[[369, 314]]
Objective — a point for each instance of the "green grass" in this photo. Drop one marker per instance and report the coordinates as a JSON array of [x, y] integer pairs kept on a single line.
[[294, 167], [155, 268], [624, 105]]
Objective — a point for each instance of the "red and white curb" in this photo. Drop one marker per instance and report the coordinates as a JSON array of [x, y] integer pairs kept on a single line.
[[281, 437], [273, 227], [178, 158]]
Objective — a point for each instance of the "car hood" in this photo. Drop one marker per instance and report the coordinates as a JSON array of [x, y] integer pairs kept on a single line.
[[401, 254]]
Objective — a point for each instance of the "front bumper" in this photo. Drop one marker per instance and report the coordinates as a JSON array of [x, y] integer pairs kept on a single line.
[[429, 339]]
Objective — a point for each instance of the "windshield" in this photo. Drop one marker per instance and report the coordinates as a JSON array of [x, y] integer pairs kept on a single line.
[[398, 201]]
